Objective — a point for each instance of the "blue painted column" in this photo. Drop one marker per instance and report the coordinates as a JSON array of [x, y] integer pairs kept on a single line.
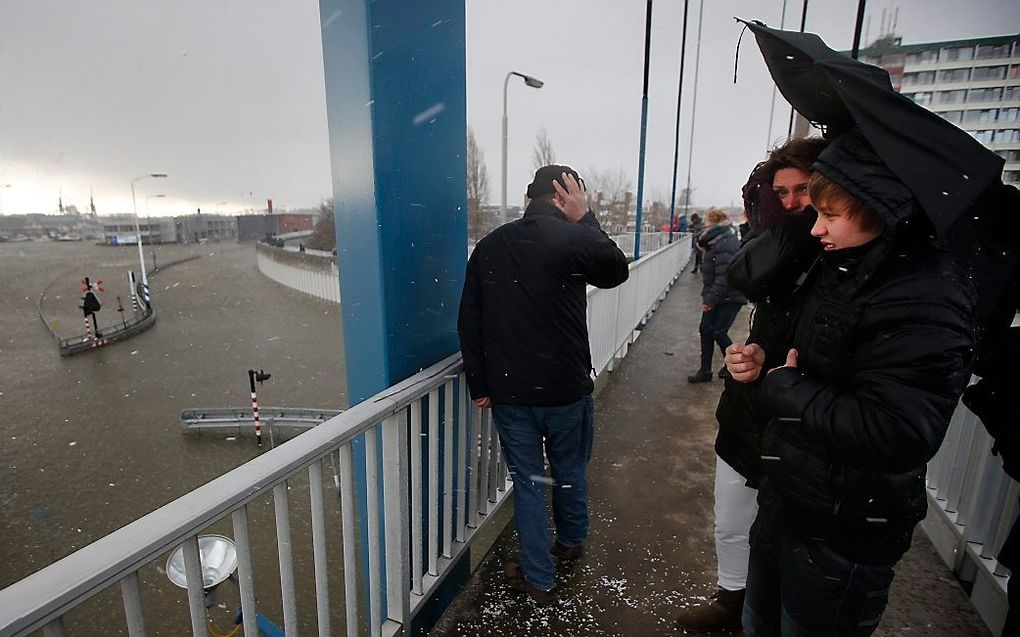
[[396, 109]]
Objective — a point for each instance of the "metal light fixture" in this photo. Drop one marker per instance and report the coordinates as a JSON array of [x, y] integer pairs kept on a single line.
[[533, 82], [218, 556]]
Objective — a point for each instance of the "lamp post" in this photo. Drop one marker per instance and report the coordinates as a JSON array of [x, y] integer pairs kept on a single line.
[[533, 82], [148, 220], [3, 187], [138, 233]]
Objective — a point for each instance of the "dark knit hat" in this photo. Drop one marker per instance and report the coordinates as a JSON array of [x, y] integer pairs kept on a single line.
[[543, 182]]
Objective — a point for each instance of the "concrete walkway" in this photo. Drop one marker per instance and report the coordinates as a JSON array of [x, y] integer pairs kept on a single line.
[[651, 484]]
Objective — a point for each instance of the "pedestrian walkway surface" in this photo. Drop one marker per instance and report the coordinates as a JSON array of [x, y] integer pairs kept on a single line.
[[651, 487]]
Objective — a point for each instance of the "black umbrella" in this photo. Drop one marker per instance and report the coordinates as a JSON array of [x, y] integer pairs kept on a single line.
[[945, 168]]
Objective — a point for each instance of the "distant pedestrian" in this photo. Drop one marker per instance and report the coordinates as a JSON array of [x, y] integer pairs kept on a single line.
[[720, 302], [524, 338], [695, 228]]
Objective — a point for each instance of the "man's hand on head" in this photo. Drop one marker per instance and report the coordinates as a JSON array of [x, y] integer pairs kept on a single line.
[[572, 200]]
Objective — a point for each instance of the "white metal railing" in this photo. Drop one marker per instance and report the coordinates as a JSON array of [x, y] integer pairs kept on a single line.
[[403, 430], [974, 504], [650, 241], [614, 315], [315, 274]]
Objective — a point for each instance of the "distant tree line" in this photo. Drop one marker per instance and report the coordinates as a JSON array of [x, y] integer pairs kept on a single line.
[[610, 196]]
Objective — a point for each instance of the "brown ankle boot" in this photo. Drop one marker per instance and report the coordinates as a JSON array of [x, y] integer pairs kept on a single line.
[[721, 612]]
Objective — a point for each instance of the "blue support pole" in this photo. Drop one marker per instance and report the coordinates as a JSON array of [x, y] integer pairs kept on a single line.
[[644, 129], [396, 111]]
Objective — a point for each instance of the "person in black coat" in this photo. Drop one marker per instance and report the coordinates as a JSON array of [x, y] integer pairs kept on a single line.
[[696, 227], [720, 303], [993, 398], [879, 355], [524, 337], [777, 247]]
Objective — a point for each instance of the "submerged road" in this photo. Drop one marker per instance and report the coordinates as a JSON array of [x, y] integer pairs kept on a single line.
[[91, 442]]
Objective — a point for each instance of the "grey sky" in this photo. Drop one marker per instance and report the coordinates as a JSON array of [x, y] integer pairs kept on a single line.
[[227, 96]]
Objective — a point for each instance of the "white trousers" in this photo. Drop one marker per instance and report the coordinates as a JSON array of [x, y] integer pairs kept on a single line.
[[735, 508]]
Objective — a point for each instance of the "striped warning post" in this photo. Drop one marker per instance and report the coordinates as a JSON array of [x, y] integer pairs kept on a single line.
[[255, 414], [134, 291]]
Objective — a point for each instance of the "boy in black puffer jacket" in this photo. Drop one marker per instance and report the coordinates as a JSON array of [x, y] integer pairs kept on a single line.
[[879, 356]]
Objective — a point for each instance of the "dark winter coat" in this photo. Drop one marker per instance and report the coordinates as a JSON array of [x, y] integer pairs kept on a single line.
[[522, 324], [885, 340], [720, 243], [766, 269]]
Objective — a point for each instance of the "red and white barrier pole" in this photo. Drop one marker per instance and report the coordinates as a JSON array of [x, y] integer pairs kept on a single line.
[[255, 407]]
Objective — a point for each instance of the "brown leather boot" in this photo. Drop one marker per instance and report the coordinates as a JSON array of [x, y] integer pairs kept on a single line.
[[515, 578], [721, 612]]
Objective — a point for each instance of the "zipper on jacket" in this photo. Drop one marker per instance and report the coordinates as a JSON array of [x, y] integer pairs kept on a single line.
[[839, 494]]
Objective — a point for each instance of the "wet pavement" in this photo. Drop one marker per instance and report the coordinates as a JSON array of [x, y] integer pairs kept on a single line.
[[651, 549], [91, 442]]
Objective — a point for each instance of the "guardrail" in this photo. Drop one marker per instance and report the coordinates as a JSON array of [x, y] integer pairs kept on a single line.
[[422, 518], [650, 241], [308, 273], [972, 505], [315, 272], [129, 327], [241, 420], [111, 333]]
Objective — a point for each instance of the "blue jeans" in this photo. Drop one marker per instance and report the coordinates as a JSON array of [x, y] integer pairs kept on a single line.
[[799, 587], [565, 432], [714, 329]]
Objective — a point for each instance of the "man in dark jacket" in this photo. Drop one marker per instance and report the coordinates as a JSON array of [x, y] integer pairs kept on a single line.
[[524, 337], [879, 356]]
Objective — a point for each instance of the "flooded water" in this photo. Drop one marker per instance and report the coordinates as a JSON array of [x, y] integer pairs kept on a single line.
[[92, 442]]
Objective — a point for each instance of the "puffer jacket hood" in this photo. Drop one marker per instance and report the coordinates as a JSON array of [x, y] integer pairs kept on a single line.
[[851, 162]]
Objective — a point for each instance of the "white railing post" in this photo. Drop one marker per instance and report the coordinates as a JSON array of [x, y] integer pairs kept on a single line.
[[245, 578], [416, 513], [395, 474], [319, 548], [433, 518], [346, 487], [133, 605], [281, 505], [375, 610], [196, 593]]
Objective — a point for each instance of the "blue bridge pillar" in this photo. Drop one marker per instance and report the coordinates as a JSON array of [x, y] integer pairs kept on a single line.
[[396, 109]]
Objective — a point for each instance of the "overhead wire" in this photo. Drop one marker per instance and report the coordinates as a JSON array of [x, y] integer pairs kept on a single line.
[[694, 106]]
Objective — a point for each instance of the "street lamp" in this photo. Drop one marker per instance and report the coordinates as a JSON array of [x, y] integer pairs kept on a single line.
[[2, 188], [148, 220], [138, 233], [533, 82]]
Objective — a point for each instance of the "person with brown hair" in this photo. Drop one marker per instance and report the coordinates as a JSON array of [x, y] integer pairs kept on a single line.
[[720, 303], [878, 356], [776, 250]]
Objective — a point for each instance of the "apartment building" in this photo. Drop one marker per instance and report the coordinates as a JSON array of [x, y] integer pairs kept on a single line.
[[974, 84]]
